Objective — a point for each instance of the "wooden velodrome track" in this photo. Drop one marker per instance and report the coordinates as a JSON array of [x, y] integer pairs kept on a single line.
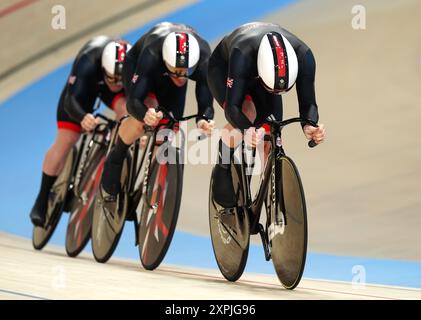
[[364, 198], [50, 274]]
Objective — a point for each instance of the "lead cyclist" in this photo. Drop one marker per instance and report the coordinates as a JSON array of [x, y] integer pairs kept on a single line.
[[248, 71]]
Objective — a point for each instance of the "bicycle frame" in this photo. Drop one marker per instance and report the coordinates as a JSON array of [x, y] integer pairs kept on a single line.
[[84, 153], [254, 206], [135, 192]]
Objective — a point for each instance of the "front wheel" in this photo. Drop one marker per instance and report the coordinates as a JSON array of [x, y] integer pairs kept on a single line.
[[287, 222], [56, 202], [159, 207], [230, 232]]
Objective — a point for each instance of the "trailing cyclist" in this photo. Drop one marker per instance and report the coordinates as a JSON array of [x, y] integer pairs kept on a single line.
[[96, 72]]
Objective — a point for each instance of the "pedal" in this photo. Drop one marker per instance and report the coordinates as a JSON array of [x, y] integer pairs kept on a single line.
[[227, 216]]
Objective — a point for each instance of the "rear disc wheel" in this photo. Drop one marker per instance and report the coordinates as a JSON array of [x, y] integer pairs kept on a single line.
[[230, 233], [107, 226]]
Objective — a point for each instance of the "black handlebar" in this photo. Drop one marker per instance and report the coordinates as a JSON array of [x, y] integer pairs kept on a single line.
[[280, 124], [109, 123], [172, 119]]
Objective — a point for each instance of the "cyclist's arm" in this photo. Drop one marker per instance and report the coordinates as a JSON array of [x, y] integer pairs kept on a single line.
[[141, 84], [204, 97], [81, 86], [236, 90], [305, 87]]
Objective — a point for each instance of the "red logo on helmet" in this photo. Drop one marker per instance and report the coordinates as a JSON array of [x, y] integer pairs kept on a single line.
[[280, 57], [121, 53], [182, 43]]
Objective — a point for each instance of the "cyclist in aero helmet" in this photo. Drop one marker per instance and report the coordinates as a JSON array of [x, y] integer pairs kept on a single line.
[[248, 71], [112, 62], [181, 53], [156, 72], [96, 73]]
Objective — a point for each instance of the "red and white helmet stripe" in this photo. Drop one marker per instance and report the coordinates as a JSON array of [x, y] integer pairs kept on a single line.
[[113, 56]]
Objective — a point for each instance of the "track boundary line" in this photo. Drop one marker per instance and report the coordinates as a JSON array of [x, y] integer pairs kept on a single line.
[[15, 7], [75, 37], [23, 294]]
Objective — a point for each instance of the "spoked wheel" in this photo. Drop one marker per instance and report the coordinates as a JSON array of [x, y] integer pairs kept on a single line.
[[108, 221], [56, 202], [82, 208], [230, 232], [287, 223], [159, 208]]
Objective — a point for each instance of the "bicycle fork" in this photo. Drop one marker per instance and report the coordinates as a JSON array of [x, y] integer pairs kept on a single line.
[[254, 210]]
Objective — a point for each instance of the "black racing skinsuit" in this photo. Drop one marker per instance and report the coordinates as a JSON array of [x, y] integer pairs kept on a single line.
[[235, 58], [85, 84], [144, 72]]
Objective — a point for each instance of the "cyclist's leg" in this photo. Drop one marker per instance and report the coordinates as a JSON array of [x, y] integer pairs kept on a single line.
[[57, 154], [222, 186], [67, 135], [266, 105], [130, 130]]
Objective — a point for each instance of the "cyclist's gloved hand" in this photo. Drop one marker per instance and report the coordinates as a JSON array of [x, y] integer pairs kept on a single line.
[[89, 122], [253, 136], [206, 126], [152, 117], [316, 134]]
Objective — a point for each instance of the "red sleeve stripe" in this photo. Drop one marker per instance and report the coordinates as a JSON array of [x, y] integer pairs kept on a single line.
[[69, 126]]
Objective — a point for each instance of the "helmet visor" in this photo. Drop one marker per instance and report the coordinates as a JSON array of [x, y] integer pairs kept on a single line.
[[179, 72], [274, 91], [113, 79]]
